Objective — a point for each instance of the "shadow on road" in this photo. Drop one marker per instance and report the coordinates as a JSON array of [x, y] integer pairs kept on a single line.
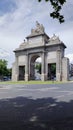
[[40, 114]]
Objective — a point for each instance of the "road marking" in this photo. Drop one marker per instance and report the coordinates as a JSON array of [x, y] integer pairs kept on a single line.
[[67, 94], [5, 87], [40, 89]]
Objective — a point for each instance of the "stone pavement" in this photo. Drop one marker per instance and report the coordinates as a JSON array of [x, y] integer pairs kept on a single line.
[[36, 107]]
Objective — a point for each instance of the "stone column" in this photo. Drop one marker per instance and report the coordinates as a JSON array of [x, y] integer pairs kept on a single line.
[[32, 70], [65, 69], [16, 69], [46, 67], [59, 66], [27, 68], [43, 73]]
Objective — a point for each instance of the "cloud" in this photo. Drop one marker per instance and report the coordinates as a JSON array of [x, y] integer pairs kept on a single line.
[[16, 23], [70, 56], [67, 10], [4, 53]]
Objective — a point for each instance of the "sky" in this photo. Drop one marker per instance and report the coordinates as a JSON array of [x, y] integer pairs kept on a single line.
[[18, 17]]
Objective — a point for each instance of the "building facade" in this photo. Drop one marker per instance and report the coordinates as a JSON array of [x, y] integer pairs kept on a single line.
[[39, 44]]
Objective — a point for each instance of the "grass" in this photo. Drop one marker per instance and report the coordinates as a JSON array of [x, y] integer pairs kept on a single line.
[[32, 82]]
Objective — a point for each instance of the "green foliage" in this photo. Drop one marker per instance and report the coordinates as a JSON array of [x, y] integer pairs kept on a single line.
[[53, 69], [38, 67], [9, 72], [3, 67], [57, 6], [4, 71]]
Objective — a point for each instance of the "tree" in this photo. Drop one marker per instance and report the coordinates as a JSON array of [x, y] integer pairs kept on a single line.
[[57, 6], [4, 71], [9, 72], [3, 67], [53, 69], [38, 67]]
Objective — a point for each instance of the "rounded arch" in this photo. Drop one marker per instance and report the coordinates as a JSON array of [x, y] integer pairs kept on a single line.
[[34, 57], [32, 64]]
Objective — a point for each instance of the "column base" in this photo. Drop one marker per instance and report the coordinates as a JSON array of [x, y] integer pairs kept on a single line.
[[43, 77], [65, 78], [15, 77], [58, 77], [26, 77]]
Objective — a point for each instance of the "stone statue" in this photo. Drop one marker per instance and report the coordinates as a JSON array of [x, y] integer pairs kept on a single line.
[[39, 28], [54, 38]]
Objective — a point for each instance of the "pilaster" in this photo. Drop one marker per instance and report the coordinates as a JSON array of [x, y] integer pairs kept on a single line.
[[27, 68], [59, 66], [16, 69], [43, 73]]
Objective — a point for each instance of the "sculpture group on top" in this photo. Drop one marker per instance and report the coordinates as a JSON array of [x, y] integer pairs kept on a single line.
[[39, 28]]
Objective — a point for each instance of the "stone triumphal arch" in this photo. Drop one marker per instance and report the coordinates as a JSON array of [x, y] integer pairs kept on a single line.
[[39, 44]]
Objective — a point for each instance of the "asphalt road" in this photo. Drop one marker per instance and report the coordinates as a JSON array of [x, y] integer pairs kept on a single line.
[[36, 107]]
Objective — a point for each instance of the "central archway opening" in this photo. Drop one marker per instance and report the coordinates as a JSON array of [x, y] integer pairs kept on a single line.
[[38, 69], [35, 68]]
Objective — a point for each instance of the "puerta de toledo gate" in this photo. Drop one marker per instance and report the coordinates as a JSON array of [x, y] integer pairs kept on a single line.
[[51, 51]]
